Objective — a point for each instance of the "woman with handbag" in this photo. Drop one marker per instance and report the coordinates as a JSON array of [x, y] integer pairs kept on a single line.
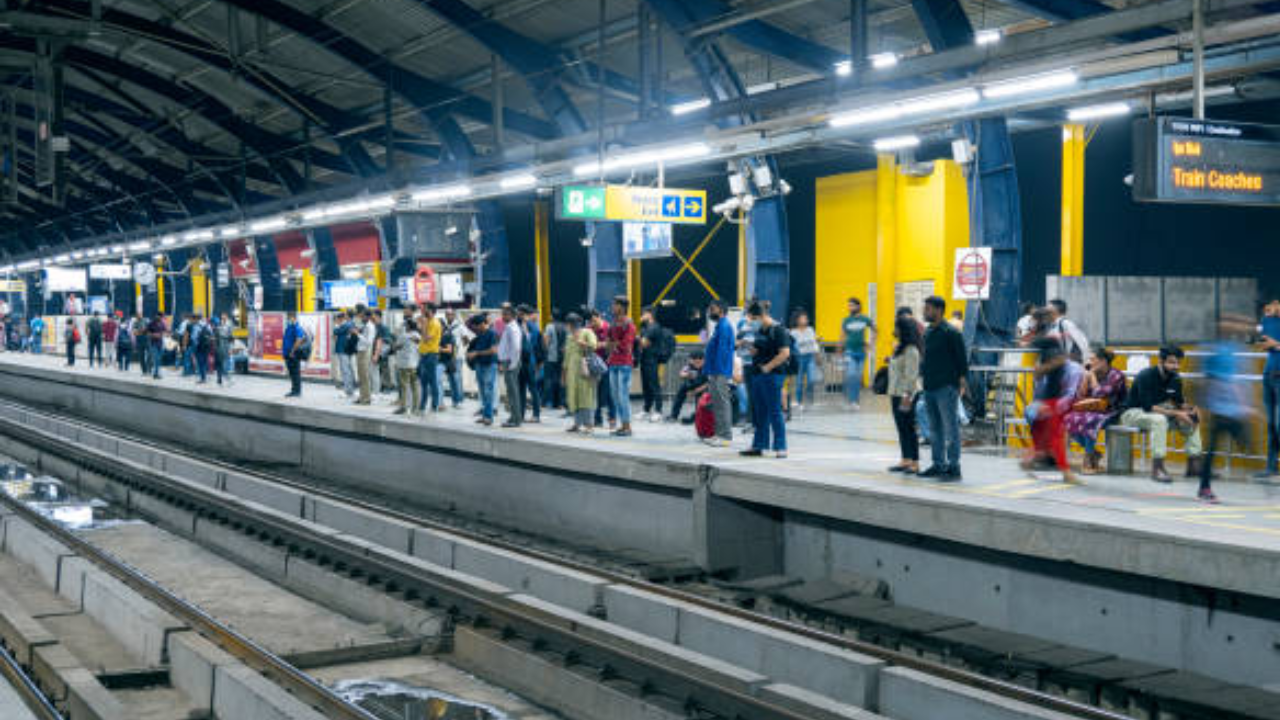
[[1099, 400], [578, 379]]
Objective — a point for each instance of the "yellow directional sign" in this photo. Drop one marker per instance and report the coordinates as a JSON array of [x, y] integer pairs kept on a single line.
[[668, 205], [12, 286]]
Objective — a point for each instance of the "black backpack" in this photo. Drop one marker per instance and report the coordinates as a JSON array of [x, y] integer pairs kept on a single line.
[[666, 346], [351, 345], [793, 358]]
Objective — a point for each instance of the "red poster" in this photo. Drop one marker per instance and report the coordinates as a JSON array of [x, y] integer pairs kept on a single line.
[[424, 286], [272, 336]]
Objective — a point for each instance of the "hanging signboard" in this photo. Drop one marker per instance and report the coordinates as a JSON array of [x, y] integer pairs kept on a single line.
[[646, 240], [972, 279], [113, 271], [451, 288], [65, 280], [224, 275], [8, 285], [1201, 161], [621, 203], [345, 293]]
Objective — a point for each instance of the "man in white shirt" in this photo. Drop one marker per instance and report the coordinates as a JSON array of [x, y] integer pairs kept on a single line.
[[1074, 342], [510, 347], [364, 357]]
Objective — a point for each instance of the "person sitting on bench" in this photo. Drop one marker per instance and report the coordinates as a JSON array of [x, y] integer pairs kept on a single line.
[[693, 382], [1156, 404]]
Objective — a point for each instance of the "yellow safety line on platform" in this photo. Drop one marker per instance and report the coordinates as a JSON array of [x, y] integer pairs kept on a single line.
[[1207, 510], [688, 264], [1053, 487]]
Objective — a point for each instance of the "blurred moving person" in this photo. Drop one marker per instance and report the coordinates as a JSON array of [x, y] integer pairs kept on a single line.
[[1270, 332], [1226, 396]]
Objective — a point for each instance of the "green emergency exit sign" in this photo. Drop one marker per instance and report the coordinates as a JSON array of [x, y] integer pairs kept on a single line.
[[582, 202]]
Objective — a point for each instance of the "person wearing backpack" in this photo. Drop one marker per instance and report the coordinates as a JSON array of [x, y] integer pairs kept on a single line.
[[124, 345], [450, 337], [654, 353], [297, 350], [553, 337], [345, 342], [72, 338], [534, 357], [94, 327], [202, 342]]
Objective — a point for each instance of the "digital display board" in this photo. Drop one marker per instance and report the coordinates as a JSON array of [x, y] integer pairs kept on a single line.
[[646, 240], [1203, 161]]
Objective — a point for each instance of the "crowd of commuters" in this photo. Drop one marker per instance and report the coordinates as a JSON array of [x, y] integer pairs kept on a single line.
[[755, 372]]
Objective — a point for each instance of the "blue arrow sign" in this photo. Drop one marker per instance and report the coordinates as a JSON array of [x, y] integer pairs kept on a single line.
[[693, 207]]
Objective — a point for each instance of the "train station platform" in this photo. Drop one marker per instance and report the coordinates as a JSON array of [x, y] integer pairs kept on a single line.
[[1104, 567], [836, 471]]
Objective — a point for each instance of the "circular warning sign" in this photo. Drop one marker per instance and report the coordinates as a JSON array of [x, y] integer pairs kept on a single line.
[[973, 273]]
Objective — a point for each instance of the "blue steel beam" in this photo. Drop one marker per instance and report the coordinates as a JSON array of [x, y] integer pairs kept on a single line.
[[332, 118], [995, 214], [540, 65], [434, 100], [762, 36]]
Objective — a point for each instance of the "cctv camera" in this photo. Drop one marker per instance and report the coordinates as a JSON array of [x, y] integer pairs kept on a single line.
[[784, 187], [727, 206]]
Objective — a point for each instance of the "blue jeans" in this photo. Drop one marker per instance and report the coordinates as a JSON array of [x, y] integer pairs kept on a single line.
[[429, 378], [604, 399], [487, 379], [155, 353], [944, 421], [620, 391], [188, 362], [804, 376], [853, 364], [1271, 401], [740, 395], [766, 412], [201, 360], [455, 383]]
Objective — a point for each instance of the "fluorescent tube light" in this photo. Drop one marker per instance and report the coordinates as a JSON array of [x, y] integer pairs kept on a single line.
[[865, 117], [990, 36], [518, 182], [268, 225], [313, 214], [198, 235], [140, 246], [685, 108], [844, 68], [941, 101], [900, 142], [381, 202], [169, 241], [62, 258], [450, 192], [229, 232], [883, 61], [1032, 84], [644, 158], [77, 255], [29, 265], [1098, 112]]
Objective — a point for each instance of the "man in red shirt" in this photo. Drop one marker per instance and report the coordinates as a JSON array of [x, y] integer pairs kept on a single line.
[[621, 346], [110, 329]]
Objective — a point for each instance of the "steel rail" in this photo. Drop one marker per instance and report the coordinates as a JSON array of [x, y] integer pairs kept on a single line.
[[902, 659], [296, 682], [476, 607], [40, 705]]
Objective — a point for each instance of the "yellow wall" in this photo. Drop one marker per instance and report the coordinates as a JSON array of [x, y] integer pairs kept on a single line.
[[845, 250], [931, 221]]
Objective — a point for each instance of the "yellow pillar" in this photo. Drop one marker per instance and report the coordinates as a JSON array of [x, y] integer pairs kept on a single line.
[[307, 301], [160, 285], [742, 260], [886, 251], [199, 289], [380, 280], [633, 289], [1073, 147], [542, 259]]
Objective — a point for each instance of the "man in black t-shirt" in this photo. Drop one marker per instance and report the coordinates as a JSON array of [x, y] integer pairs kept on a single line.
[[769, 350], [652, 343]]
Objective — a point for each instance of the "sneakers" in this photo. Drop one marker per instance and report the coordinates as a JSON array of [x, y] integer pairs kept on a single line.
[[1206, 495], [716, 442], [933, 471], [751, 452]]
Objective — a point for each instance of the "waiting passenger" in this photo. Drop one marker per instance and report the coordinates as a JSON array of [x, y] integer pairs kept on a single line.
[[1072, 337], [510, 350], [857, 333], [297, 350], [406, 358], [110, 331], [621, 346], [579, 385], [1156, 404], [125, 336], [346, 340], [554, 337], [769, 353], [384, 381], [719, 369], [1099, 401], [943, 372], [225, 333], [693, 382], [655, 350], [482, 356], [368, 335], [429, 359], [94, 328], [37, 335], [604, 400], [533, 354], [449, 358], [71, 338], [807, 349], [904, 385]]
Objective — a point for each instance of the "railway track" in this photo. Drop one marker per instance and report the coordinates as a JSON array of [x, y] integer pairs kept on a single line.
[[37, 704], [483, 611]]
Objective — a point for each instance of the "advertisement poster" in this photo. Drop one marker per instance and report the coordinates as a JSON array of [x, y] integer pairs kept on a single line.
[[266, 342]]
